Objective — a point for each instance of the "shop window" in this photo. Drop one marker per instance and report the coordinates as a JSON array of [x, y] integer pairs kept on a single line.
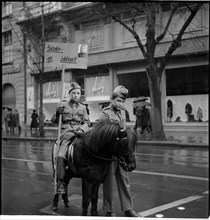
[[187, 81], [136, 83], [80, 75]]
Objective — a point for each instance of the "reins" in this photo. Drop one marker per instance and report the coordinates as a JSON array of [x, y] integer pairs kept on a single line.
[[116, 158]]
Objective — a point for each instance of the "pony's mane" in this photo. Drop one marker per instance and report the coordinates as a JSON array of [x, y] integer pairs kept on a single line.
[[101, 135]]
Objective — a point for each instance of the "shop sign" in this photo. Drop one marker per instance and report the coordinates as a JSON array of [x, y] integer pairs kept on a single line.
[[69, 55]]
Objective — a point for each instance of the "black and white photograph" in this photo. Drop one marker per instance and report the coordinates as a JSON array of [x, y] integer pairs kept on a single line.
[[105, 110]]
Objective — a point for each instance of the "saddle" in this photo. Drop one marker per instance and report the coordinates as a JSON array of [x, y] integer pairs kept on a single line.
[[71, 166]]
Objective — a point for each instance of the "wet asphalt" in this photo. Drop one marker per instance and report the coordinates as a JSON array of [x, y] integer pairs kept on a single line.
[[168, 181]]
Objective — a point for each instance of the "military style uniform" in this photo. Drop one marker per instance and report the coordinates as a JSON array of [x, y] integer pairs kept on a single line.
[[74, 118], [121, 176], [74, 121]]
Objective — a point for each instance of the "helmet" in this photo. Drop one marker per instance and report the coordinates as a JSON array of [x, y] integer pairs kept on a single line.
[[121, 91], [74, 85]]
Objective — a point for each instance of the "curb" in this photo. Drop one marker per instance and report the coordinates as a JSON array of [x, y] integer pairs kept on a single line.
[[145, 143]]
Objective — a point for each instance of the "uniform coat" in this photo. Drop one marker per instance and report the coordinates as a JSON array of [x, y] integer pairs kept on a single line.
[[115, 169], [74, 117]]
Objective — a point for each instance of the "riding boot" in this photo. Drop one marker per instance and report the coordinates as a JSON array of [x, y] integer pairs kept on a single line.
[[61, 170], [65, 199], [55, 203]]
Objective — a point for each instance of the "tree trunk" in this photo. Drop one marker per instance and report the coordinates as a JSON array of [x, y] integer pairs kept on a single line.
[[155, 99]]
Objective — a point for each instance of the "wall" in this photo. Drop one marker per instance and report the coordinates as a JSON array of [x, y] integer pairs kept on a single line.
[[13, 72]]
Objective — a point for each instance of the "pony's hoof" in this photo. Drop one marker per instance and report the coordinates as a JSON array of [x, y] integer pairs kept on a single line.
[[84, 213], [66, 203], [54, 208], [94, 213]]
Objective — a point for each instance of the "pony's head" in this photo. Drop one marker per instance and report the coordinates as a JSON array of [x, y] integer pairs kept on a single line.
[[127, 142], [107, 139]]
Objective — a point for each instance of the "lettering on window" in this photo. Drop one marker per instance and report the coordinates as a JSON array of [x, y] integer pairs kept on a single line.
[[98, 86]]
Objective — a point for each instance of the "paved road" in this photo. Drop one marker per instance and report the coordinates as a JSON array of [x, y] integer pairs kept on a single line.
[[168, 182]]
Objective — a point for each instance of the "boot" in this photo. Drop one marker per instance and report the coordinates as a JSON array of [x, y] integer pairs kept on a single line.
[[65, 200], [55, 203]]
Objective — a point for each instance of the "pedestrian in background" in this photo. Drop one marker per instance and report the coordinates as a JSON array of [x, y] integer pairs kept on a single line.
[[142, 113], [11, 122], [115, 112], [34, 122], [17, 122], [5, 119]]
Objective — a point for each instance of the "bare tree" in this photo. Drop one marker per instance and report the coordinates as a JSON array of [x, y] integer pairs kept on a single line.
[[37, 30], [154, 67]]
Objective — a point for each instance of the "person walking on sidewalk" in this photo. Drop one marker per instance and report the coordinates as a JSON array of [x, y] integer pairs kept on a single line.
[[116, 112], [34, 122], [75, 121], [142, 119], [17, 121]]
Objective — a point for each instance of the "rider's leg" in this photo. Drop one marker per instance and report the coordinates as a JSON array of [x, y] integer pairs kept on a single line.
[[61, 166], [61, 170]]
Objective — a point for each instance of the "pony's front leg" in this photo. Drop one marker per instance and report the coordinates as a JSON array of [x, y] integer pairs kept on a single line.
[[94, 199], [86, 193], [55, 202]]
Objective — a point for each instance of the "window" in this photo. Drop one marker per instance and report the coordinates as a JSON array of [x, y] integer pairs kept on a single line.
[[136, 83], [7, 47], [187, 81], [7, 10], [92, 34], [7, 38]]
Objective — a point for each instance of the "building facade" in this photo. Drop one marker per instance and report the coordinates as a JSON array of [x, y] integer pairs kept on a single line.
[[12, 60], [113, 58]]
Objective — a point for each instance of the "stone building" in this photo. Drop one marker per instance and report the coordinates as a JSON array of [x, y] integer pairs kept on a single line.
[[113, 58]]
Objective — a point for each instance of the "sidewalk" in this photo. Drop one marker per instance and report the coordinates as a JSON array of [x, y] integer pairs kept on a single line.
[[186, 135]]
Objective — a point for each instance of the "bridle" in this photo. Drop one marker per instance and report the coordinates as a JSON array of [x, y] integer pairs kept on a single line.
[[118, 158]]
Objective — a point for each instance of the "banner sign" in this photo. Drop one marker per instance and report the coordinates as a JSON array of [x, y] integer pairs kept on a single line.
[[74, 56]]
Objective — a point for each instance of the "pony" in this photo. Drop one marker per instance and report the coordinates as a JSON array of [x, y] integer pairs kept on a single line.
[[91, 156]]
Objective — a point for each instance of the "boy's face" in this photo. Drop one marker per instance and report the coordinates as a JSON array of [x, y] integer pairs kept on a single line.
[[75, 95], [118, 103]]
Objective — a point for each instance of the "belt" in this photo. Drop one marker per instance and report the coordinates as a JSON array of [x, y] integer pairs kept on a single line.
[[72, 122]]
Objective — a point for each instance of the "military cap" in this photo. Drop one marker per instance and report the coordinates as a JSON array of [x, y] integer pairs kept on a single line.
[[74, 85], [121, 91]]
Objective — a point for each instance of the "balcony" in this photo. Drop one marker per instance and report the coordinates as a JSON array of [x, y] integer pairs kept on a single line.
[[34, 12]]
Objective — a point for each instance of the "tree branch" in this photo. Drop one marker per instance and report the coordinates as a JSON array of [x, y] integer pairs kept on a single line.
[[189, 19], [161, 36], [177, 42], [133, 32]]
